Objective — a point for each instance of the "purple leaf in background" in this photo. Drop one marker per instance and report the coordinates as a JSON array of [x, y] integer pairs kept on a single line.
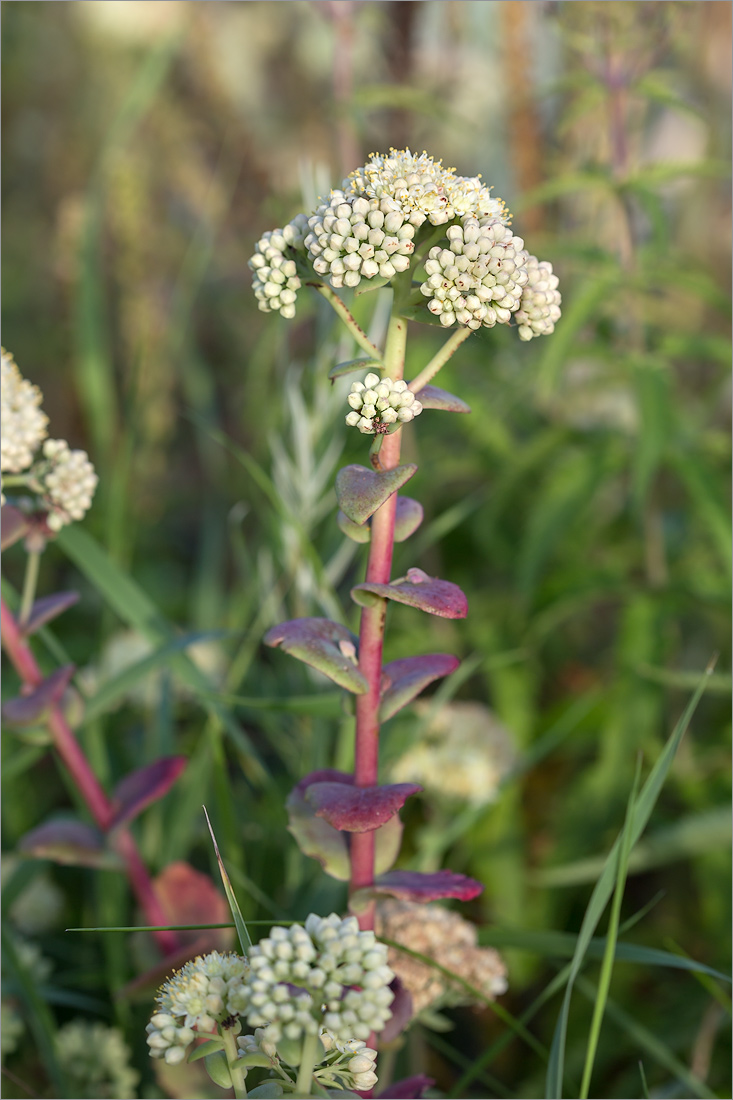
[[143, 786], [29, 709], [69, 842], [46, 609], [408, 517], [322, 644], [358, 809], [416, 886], [418, 590], [410, 1088], [361, 491], [314, 836], [14, 526]]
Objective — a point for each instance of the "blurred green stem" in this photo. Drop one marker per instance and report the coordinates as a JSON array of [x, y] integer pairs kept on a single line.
[[235, 1068], [440, 359], [311, 1045], [30, 580], [338, 306]]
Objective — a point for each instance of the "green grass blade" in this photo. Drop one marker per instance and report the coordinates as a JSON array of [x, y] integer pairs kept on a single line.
[[644, 1086], [611, 939], [244, 937], [599, 898]]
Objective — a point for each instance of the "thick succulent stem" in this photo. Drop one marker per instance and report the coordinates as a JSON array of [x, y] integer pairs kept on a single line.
[[86, 781], [371, 634]]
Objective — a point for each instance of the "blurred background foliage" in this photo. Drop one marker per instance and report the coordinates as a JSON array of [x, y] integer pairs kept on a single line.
[[582, 506]]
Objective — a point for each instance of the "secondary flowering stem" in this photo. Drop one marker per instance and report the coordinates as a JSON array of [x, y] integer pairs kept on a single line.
[[371, 634], [339, 308], [440, 359], [30, 580], [235, 1067], [87, 783], [308, 1057]]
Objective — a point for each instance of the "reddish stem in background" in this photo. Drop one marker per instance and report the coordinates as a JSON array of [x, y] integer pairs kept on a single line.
[[86, 781], [371, 637]]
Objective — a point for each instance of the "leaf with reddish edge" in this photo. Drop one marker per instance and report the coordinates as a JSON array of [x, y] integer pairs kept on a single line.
[[46, 609], [431, 397], [143, 786], [314, 836], [71, 843], [322, 644], [13, 526], [416, 886], [360, 491], [403, 680], [358, 532], [28, 710], [188, 896], [408, 517], [410, 1088], [358, 809], [418, 590]]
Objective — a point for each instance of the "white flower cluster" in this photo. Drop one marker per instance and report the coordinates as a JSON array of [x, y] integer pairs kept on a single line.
[[199, 996], [539, 308], [373, 225], [353, 236], [424, 189], [378, 403], [477, 280], [96, 1060], [348, 1065], [68, 481], [302, 979], [276, 281], [22, 423]]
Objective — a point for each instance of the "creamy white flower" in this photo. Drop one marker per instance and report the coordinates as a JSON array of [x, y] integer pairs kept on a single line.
[[276, 280], [22, 422], [67, 480], [379, 402], [353, 237], [539, 308]]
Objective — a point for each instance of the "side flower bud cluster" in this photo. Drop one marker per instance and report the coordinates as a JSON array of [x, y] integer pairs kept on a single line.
[[276, 281], [63, 480], [199, 996], [477, 280], [377, 404], [327, 974], [348, 1065], [372, 227]]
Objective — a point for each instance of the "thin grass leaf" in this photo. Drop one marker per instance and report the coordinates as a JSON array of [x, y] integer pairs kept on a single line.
[[642, 811], [644, 1086], [244, 937], [604, 983], [649, 1043]]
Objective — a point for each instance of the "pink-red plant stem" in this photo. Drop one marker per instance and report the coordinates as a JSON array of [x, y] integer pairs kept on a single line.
[[371, 637], [85, 780]]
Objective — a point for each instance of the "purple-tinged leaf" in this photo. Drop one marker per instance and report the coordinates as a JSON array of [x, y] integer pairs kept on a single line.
[[417, 886], [143, 786], [431, 397], [408, 517], [410, 1088], [314, 836], [418, 590], [188, 896], [402, 1010], [358, 532], [13, 526], [71, 843], [47, 608], [404, 679], [322, 644], [361, 491], [358, 809], [387, 845], [352, 366], [28, 710]]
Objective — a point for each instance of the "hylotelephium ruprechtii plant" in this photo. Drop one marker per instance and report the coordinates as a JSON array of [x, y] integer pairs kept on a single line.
[[317, 994]]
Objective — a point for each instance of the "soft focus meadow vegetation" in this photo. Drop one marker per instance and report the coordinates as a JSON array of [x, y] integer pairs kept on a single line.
[[582, 506]]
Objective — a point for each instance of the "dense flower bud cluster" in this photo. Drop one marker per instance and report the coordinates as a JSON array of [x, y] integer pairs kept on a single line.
[[199, 996], [353, 236], [446, 937], [378, 223], [68, 482], [539, 307], [95, 1059], [276, 281], [423, 188], [349, 1065], [477, 280], [378, 403], [22, 423], [303, 979]]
